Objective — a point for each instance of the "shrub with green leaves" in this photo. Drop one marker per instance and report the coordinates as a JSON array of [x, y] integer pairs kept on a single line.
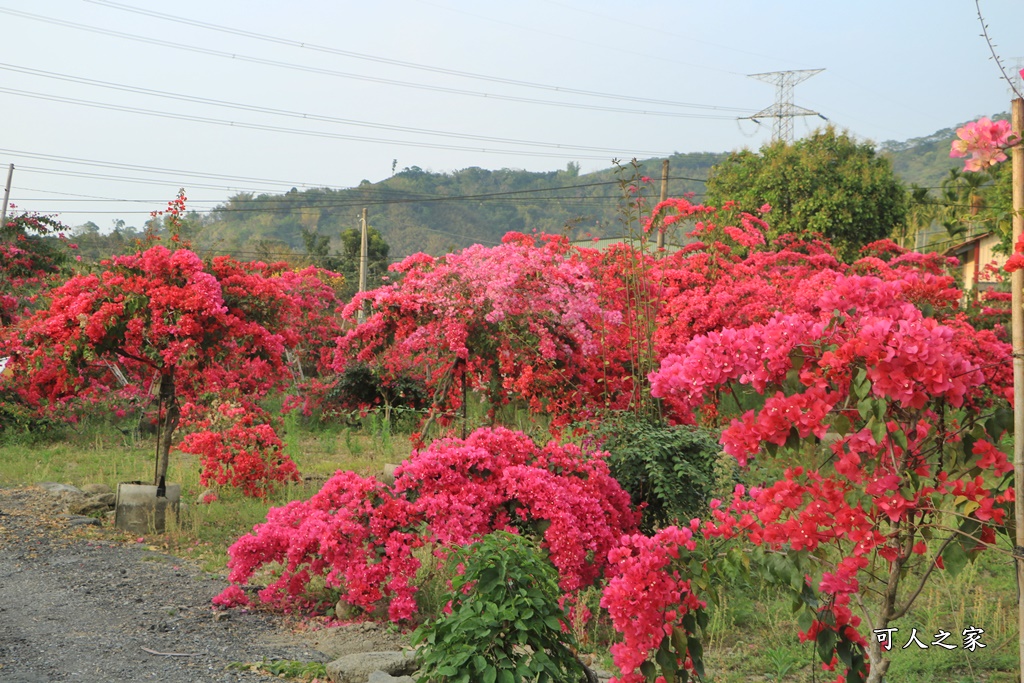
[[505, 624], [669, 469]]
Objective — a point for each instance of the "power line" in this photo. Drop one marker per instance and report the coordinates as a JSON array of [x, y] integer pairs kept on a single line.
[[282, 129], [508, 195], [300, 115], [396, 62], [343, 74]]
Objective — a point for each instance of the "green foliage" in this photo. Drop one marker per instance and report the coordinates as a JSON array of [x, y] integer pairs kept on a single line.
[[420, 211], [360, 385], [669, 469], [284, 668], [826, 183], [505, 624]]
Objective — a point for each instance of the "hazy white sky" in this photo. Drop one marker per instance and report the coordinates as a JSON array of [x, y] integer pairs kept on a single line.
[[258, 96]]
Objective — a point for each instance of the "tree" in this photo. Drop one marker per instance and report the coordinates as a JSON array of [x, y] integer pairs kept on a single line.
[[168, 325], [827, 184]]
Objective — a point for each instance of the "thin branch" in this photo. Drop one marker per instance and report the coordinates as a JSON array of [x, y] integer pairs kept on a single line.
[[920, 586], [992, 49]]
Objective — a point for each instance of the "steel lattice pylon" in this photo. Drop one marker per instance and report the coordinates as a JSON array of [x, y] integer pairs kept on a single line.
[[783, 111]]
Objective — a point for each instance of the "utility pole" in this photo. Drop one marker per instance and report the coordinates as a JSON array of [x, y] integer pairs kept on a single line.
[[783, 111], [363, 258], [1017, 327], [7, 197], [664, 196]]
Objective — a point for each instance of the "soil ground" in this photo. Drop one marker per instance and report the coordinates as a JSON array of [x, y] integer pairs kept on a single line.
[[82, 604]]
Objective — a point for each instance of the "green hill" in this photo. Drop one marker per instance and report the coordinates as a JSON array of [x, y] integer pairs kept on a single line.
[[416, 210]]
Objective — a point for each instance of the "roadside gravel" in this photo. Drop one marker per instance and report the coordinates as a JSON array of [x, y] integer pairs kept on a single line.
[[76, 604]]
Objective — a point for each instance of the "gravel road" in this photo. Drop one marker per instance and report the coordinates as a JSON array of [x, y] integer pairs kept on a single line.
[[78, 605]]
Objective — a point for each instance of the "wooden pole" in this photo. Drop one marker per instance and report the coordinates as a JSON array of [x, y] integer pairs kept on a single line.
[[664, 196], [7, 197], [363, 258], [1017, 324]]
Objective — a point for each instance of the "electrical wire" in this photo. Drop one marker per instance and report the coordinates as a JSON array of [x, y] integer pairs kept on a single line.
[[343, 74], [309, 117], [282, 129], [396, 62]]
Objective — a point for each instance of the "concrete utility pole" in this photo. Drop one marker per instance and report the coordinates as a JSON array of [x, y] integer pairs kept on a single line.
[[664, 196], [363, 259], [7, 196], [1017, 329], [783, 111]]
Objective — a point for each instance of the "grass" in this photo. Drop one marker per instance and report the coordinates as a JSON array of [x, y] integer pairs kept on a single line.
[[752, 633], [97, 451]]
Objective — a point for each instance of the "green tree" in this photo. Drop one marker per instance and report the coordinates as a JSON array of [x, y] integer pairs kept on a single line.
[[377, 251], [827, 183]]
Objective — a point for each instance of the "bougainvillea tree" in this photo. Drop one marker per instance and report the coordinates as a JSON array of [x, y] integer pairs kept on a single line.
[[516, 322], [875, 361], [359, 534], [162, 324]]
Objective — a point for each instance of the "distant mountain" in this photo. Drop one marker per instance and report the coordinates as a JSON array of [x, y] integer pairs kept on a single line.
[[417, 210]]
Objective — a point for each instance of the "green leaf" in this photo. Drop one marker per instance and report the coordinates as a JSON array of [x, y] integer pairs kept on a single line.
[[878, 430], [861, 384], [954, 558], [489, 675], [841, 425], [805, 620], [826, 642], [649, 671], [844, 649]]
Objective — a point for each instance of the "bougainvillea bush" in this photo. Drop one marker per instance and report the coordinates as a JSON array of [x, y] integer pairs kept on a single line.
[[359, 535], [161, 324], [516, 322], [875, 360]]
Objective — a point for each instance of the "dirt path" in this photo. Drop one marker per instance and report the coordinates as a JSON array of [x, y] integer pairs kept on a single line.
[[78, 606]]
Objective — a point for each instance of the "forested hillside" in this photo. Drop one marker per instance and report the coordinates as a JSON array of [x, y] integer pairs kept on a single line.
[[416, 210]]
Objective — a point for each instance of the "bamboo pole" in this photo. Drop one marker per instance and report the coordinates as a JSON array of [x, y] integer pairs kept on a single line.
[[664, 196], [1017, 324], [363, 264]]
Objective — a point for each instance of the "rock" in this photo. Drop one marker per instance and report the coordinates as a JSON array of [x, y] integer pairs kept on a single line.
[[339, 641], [384, 677], [87, 506], [388, 475], [108, 499], [60, 489], [80, 520], [96, 489], [356, 668], [207, 496]]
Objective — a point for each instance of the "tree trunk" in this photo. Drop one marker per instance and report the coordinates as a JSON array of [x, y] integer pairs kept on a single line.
[[879, 665], [170, 423]]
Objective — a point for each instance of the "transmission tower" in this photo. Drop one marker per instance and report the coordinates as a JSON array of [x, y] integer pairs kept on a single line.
[[783, 111]]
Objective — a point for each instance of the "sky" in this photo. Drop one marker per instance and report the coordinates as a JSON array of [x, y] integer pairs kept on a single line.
[[110, 106]]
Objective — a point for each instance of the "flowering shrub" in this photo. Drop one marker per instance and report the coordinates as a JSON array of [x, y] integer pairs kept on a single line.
[[157, 323], [516, 321], [240, 450], [918, 406], [358, 534], [650, 601]]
